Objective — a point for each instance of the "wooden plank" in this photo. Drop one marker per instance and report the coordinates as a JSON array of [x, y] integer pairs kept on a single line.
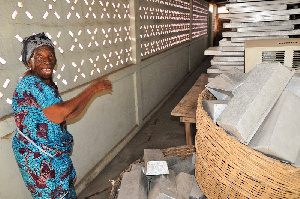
[[188, 119], [232, 48], [227, 48], [228, 59], [259, 14], [266, 28], [242, 39], [260, 19], [188, 104], [260, 34], [211, 52], [188, 135], [223, 43], [218, 51], [226, 68], [257, 9], [275, 1], [261, 24], [227, 63], [261, 3], [223, 69]]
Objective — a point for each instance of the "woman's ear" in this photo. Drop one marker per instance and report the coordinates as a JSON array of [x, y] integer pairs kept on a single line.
[[29, 63]]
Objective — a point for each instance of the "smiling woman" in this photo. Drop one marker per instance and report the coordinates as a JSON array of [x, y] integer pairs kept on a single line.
[[42, 63], [42, 144]]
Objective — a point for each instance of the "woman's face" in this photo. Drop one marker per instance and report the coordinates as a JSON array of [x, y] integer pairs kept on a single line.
[[43, 62]]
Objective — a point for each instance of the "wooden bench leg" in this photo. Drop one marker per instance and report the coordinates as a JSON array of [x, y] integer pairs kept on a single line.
[[188, 133]]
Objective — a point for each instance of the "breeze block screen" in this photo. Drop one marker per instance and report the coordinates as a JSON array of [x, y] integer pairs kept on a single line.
[[92, 38]]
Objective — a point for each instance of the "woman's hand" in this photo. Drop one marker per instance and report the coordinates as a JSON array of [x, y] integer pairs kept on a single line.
[[101, 84]]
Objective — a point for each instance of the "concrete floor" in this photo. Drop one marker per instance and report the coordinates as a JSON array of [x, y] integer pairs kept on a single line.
[[161, 131]]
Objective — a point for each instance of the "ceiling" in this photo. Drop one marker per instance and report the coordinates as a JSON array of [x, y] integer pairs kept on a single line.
[[218, 2]]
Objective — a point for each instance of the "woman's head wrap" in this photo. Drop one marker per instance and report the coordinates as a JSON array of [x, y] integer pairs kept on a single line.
[[31, 43]]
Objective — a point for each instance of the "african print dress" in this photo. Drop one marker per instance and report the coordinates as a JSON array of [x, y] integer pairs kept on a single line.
[[41, 147]]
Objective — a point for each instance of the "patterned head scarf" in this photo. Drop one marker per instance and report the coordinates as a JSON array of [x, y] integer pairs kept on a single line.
[[31, 43]]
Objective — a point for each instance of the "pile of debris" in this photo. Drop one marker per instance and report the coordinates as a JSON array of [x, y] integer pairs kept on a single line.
[[259, 109], [160, 177]]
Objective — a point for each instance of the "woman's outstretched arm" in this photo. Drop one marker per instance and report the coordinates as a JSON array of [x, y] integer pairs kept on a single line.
[[63, 111]]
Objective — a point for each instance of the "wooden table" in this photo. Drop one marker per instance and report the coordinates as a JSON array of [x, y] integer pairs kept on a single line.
[[186, 108]]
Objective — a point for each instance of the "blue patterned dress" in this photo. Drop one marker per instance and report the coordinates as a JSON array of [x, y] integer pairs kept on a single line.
[[41, 147]]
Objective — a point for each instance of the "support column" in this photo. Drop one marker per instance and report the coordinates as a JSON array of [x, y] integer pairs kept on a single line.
[[136, 55]]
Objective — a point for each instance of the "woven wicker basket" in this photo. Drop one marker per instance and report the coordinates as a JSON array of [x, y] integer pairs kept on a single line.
[[225, 168], [179, 151]]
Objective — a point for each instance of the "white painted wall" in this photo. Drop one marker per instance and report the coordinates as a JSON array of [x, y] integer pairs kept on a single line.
[[160, 76]]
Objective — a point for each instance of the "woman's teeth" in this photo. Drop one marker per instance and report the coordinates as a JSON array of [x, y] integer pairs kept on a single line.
[[47, 71]]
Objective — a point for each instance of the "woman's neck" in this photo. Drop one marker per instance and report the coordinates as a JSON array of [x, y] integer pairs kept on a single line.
[[32, 73]]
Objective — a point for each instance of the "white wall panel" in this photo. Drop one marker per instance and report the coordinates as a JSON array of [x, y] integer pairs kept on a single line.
[[107, 120], [161, 76]]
